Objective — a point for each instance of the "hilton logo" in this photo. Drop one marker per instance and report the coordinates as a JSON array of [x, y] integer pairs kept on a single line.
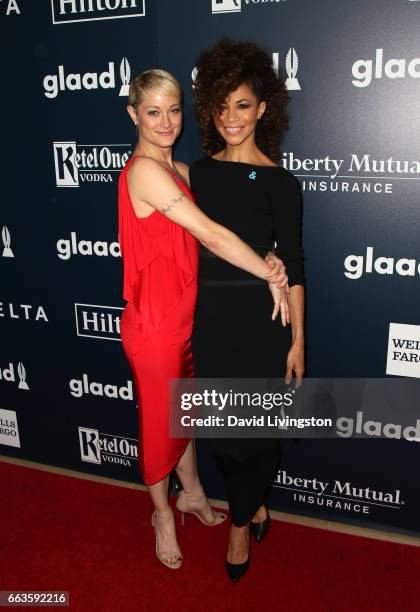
[[96, 447], [75, 164], [102, 322], [71, 11], [7, 251]]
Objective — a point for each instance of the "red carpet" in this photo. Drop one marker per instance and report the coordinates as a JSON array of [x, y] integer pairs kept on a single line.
[[96, 541]]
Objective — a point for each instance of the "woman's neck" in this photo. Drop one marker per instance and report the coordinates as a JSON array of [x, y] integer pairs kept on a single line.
[[246, 154], [160, 154]]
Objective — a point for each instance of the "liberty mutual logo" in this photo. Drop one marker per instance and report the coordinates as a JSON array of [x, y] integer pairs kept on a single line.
[[5, 235]]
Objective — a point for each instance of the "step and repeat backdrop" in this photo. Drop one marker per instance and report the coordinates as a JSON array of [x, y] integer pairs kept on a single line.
[[353, 74]]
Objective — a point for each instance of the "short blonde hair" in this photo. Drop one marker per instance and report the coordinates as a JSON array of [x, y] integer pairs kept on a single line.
[[152, 80]]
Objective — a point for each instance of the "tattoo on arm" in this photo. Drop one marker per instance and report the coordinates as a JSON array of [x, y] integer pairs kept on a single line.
[[172, 203]]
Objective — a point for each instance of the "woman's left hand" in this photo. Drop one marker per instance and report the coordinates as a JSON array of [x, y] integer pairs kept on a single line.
[[295, 363], [277, 267]]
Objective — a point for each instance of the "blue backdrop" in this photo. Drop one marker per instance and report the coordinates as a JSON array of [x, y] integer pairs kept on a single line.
[[354, 69]]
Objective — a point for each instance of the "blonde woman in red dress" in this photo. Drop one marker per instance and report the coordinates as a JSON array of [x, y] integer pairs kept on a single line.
[[160, 228]]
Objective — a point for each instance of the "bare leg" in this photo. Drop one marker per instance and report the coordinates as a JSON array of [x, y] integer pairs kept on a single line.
[[163, 520], [186, 469], [193, 498]]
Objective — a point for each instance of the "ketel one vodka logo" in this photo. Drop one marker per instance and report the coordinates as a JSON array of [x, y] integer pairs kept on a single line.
[[102, 322], [5, 235], [75, 164], [54, 83], [97, 447], [10, 375], [71, 11]]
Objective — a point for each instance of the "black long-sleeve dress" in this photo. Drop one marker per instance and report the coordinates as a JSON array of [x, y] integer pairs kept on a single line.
[[234, 336]]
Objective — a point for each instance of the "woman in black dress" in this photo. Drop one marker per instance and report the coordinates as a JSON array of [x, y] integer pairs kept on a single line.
[[240, 108]]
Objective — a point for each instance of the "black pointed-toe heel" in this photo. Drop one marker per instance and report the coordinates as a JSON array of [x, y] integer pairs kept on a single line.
[[235, 571], [259, 530]]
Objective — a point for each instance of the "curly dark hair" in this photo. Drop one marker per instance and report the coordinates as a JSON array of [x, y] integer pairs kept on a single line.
[[222, 70]]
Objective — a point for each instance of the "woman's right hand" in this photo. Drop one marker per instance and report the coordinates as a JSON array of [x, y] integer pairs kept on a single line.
[[280, 304]]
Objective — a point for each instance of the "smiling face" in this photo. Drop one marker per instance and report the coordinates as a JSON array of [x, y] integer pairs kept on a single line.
[[237, 120], [159, 118]]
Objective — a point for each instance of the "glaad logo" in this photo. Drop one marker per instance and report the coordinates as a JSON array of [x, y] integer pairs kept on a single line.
[[96, 447], [8, 375], [125, 75], [292, 64], [364, 71], [87, 163], [102, 322], [67, 248], [348, 427], [12, 7], [78, 388], [403, 357], [22, 311], [226, 6], [7, 251], [71, 11], [356, 265], [54, 83], [9, 430]]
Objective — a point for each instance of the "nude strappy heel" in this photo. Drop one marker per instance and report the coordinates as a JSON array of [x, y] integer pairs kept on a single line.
[[190, 502], [164, 556]]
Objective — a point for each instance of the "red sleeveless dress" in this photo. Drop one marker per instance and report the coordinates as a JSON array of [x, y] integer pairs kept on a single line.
[[160, 260]]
